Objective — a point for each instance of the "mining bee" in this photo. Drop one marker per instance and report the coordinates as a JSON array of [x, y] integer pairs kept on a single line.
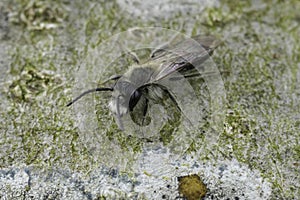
[[133, 91]]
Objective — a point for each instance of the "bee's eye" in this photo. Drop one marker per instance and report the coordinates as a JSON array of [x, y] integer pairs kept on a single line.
[[135, 97]]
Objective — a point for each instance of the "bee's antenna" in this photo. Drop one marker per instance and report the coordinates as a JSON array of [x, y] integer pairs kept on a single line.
[[119, 121], [89, 91]]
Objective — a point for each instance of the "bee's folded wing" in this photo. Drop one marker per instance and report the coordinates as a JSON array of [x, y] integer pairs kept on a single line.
[[184, 55]]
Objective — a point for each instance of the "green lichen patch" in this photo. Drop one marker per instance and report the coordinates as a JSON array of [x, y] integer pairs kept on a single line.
[[38, 15], [32, 83], [260, 50]]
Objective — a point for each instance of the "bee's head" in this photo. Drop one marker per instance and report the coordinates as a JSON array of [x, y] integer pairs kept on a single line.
[[127, 90], [124, 97]]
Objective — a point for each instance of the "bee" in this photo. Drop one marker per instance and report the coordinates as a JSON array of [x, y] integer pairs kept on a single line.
[[133, 91]]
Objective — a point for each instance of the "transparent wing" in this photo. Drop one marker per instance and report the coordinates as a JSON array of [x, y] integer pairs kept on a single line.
[[183, 56]]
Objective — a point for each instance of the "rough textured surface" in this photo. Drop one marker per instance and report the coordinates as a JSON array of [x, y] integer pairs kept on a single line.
[[45, 155], [224, 179]]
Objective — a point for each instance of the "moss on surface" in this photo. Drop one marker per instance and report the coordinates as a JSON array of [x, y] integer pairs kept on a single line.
[[191, 187], [44, 44]]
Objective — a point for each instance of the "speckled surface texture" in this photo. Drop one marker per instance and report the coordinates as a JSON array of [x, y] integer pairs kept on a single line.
[[50, 51]]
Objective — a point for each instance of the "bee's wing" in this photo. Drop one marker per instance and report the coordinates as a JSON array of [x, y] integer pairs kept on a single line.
[[183, 55]]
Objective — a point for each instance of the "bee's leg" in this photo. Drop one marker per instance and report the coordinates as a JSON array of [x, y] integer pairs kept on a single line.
[[145, 110], [112, 78], [118, 115], [175, 102], [156, 52], [133, 55], [115, 77], [166, 46]]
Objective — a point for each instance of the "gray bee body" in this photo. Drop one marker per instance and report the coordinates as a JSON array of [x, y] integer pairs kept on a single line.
[[125, 89], [141, 84]]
